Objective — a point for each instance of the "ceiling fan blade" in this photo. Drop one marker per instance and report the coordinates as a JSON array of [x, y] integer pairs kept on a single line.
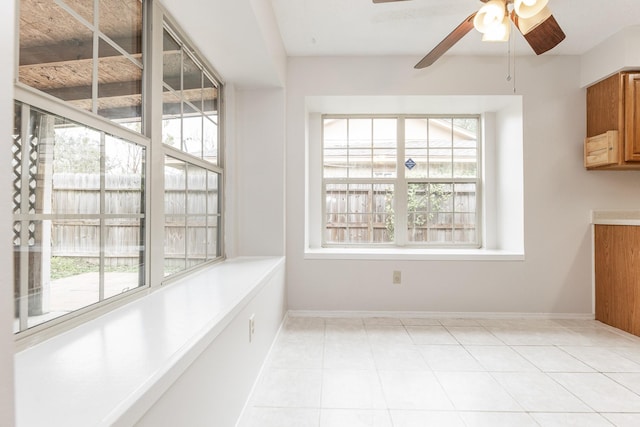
[[454, 37], [541, 36]]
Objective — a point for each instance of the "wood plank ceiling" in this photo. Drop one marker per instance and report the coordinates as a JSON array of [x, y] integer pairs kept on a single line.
[[57, 53]]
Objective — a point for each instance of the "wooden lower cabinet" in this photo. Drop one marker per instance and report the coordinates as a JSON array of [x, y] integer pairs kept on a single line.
[[617, 276]]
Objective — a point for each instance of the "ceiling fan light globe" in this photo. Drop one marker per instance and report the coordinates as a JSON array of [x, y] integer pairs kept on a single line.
[[498, 33], [529, 8], [526, 25], [490, 15]]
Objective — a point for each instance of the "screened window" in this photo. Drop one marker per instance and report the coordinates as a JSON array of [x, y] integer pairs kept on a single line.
[[402, 180], [78, 212], [193, 173]]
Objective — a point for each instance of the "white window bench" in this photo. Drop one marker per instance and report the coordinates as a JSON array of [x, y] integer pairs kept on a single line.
[[111, 370]]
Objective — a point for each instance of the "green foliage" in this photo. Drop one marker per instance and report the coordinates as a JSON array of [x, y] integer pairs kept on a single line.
[[423, 202], [62, 267], [76, 151]]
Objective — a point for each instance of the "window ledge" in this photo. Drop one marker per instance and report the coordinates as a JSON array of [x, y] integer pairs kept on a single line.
[[111, 370], [414, 254]]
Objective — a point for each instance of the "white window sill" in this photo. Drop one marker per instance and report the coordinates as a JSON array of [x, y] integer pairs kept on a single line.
[[111, 370], [413, 254]]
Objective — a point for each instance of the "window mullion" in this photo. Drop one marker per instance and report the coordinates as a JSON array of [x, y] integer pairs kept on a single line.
[[24, 225], [96, 57], [102, 232], [400, 188]]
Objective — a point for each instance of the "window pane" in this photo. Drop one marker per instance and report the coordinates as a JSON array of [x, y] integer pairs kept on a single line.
[[119, 87], [192, 82], [171, 62], [213, 247], [442, 213], [440, 152], [83, 8], [210, 124], [124, 177], [171, 119], [57, 55], [359, 213], [124, 255], [121, 21], [416, 137], [383, 226], [76, 169], [192, 219], [336, 213], [360, 144], [175, 186], [335, 144], [174, 244], [197, 190], [56, 52], [64, 259], [210, 141], [196, 240], [385, 135], [429, 209], [192, 130], [212, 193]]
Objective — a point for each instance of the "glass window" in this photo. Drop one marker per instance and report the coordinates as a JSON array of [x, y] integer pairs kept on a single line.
[[192, 218], [193, 173], [190, 102], [438, 178], [59, 54], [80, 228], [78, 208]]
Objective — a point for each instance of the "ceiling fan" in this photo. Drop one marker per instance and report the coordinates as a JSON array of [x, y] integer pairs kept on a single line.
[[531, 17]]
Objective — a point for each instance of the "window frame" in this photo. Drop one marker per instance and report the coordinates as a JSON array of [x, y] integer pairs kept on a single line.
[[400, 184], [155, 17], [179, 154], [33, 98]]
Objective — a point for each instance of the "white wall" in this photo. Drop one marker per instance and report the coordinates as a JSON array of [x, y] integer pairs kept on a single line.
[[618, 52], [213, 390], [6, 251], [559, 193], [509, 176], [260, 172]]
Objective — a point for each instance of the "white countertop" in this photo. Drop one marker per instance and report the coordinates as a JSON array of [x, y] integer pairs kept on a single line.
[[615, 217], [95, 374]]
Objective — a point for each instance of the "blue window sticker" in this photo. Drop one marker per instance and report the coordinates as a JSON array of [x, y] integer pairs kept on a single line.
[[410, 164]]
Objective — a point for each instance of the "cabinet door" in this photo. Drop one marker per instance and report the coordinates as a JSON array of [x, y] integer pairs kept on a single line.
[[632, 118], [617, 276]]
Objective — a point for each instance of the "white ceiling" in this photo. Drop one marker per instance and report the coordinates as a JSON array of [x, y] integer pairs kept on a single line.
[[359, 27], [241, 38]]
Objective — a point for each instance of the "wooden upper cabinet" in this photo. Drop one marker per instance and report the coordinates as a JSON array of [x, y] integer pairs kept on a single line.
[[632, 118], [613, 123]]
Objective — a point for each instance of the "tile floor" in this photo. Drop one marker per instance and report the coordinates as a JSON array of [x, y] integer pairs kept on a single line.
[[396, 372]]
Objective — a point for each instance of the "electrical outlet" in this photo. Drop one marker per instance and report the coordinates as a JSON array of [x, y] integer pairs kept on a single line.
[[397, 277], [252, 326]]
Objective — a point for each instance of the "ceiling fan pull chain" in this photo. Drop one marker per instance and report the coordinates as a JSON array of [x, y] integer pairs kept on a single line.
[[511, 62], [514, 65]]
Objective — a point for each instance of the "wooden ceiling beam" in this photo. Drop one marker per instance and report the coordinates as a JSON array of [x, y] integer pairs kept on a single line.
[[74, 50]]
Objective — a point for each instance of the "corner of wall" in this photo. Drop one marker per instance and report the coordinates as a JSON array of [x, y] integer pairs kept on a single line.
[[7, 37], [618, 52]]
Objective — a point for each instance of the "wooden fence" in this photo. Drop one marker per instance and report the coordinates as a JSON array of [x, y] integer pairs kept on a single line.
[[188, 228], [364, 213]]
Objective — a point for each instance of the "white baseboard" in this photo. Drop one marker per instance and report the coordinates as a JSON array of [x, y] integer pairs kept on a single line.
[[437, 314]]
